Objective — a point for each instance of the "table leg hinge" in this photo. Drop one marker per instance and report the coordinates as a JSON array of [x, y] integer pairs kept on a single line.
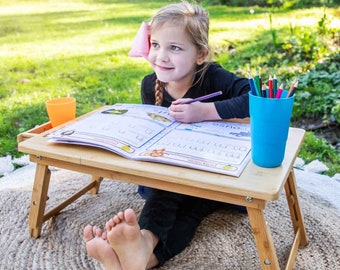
[[267, 262], [249, 199]]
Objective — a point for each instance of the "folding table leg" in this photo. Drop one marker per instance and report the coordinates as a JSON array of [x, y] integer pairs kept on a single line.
[[300, 236], [263, 238], [38, 200], [97, 180], [294, 208]]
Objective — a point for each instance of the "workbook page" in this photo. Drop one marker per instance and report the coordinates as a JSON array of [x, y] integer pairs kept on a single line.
[[215, 146], [122, 128]]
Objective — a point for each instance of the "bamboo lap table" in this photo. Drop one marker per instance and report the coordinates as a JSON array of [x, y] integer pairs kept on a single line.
[[253, 189]]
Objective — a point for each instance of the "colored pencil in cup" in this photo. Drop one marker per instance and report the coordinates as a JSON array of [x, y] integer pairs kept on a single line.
[[274, 85], [279, 91], [252, 85], [292, 92], [264, 91], [270, 87], [257, 80], [291, 86]]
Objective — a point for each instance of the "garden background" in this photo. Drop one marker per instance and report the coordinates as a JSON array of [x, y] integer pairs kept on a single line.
[[79, 48]]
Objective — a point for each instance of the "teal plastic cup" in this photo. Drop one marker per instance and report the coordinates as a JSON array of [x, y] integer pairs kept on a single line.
[[269, 126]]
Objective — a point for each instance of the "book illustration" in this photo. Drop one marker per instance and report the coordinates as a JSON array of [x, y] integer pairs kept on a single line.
[[154, 153], [174, 158], [149, 133], [127, 148], [241, 134], [158, 117], [115, 111]]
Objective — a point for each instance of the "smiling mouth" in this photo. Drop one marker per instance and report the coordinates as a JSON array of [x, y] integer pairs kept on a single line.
[[164, 68]]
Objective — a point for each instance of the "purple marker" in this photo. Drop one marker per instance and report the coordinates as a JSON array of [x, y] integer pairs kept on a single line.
[[203, 97]]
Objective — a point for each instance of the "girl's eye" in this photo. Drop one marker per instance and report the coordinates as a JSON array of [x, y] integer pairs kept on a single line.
[[155, 45], [175, 48]]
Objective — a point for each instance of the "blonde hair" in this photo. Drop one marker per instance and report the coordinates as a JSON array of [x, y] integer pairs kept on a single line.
[[195, 21]]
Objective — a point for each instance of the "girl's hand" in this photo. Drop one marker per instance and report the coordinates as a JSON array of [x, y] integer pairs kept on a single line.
[[194, 112]]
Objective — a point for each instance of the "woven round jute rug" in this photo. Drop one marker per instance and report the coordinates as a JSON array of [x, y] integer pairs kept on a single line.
[[223, 241]]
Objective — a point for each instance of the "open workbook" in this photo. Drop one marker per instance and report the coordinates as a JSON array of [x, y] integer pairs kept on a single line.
[[149, 133]]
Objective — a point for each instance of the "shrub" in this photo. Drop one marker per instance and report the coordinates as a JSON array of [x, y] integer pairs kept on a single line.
[[274, 3]]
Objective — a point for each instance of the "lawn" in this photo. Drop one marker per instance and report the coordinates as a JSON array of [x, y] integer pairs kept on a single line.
[[79, 48]]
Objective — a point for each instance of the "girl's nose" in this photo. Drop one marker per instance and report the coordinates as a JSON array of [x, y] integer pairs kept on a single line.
[[163, 56]]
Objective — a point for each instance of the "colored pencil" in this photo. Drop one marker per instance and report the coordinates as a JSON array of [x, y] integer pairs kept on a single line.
[[203, 97], [257, 80], [252, 85], [270, 87], [274, 85], [279, 91], [292, 92]]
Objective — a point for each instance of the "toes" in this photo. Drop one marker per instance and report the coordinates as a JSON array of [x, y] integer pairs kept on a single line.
[[120, 215], [114, 221], [130, 216], [99, 232], [104, 235], [88, 233], [110, 224], [117, 219], [94, 228]]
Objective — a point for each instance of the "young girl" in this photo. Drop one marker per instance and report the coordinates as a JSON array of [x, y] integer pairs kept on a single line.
[[178, 54]]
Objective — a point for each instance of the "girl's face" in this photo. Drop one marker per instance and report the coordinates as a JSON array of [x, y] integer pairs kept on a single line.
[[172, 54]]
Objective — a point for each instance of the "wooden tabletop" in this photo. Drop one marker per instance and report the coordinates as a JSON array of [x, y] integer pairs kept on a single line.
[[255, 181]]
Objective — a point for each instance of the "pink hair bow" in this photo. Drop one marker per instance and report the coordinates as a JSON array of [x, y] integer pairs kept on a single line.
[[141, 43]]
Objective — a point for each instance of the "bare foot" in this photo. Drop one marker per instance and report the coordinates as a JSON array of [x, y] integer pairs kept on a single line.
[[133, 247], [98, 248]]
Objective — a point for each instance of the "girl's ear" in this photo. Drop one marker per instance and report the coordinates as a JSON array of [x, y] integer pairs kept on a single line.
[[201, 57]]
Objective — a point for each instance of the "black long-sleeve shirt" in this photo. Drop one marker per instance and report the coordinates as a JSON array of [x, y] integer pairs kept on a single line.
[[233, 103]]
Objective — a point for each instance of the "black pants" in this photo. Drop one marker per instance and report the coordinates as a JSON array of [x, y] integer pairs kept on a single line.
[[174, 218]]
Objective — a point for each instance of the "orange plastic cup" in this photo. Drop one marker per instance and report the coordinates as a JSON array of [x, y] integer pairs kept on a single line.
[[61, 110]]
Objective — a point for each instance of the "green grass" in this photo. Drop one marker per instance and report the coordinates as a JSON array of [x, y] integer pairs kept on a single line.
[[79, 48]]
